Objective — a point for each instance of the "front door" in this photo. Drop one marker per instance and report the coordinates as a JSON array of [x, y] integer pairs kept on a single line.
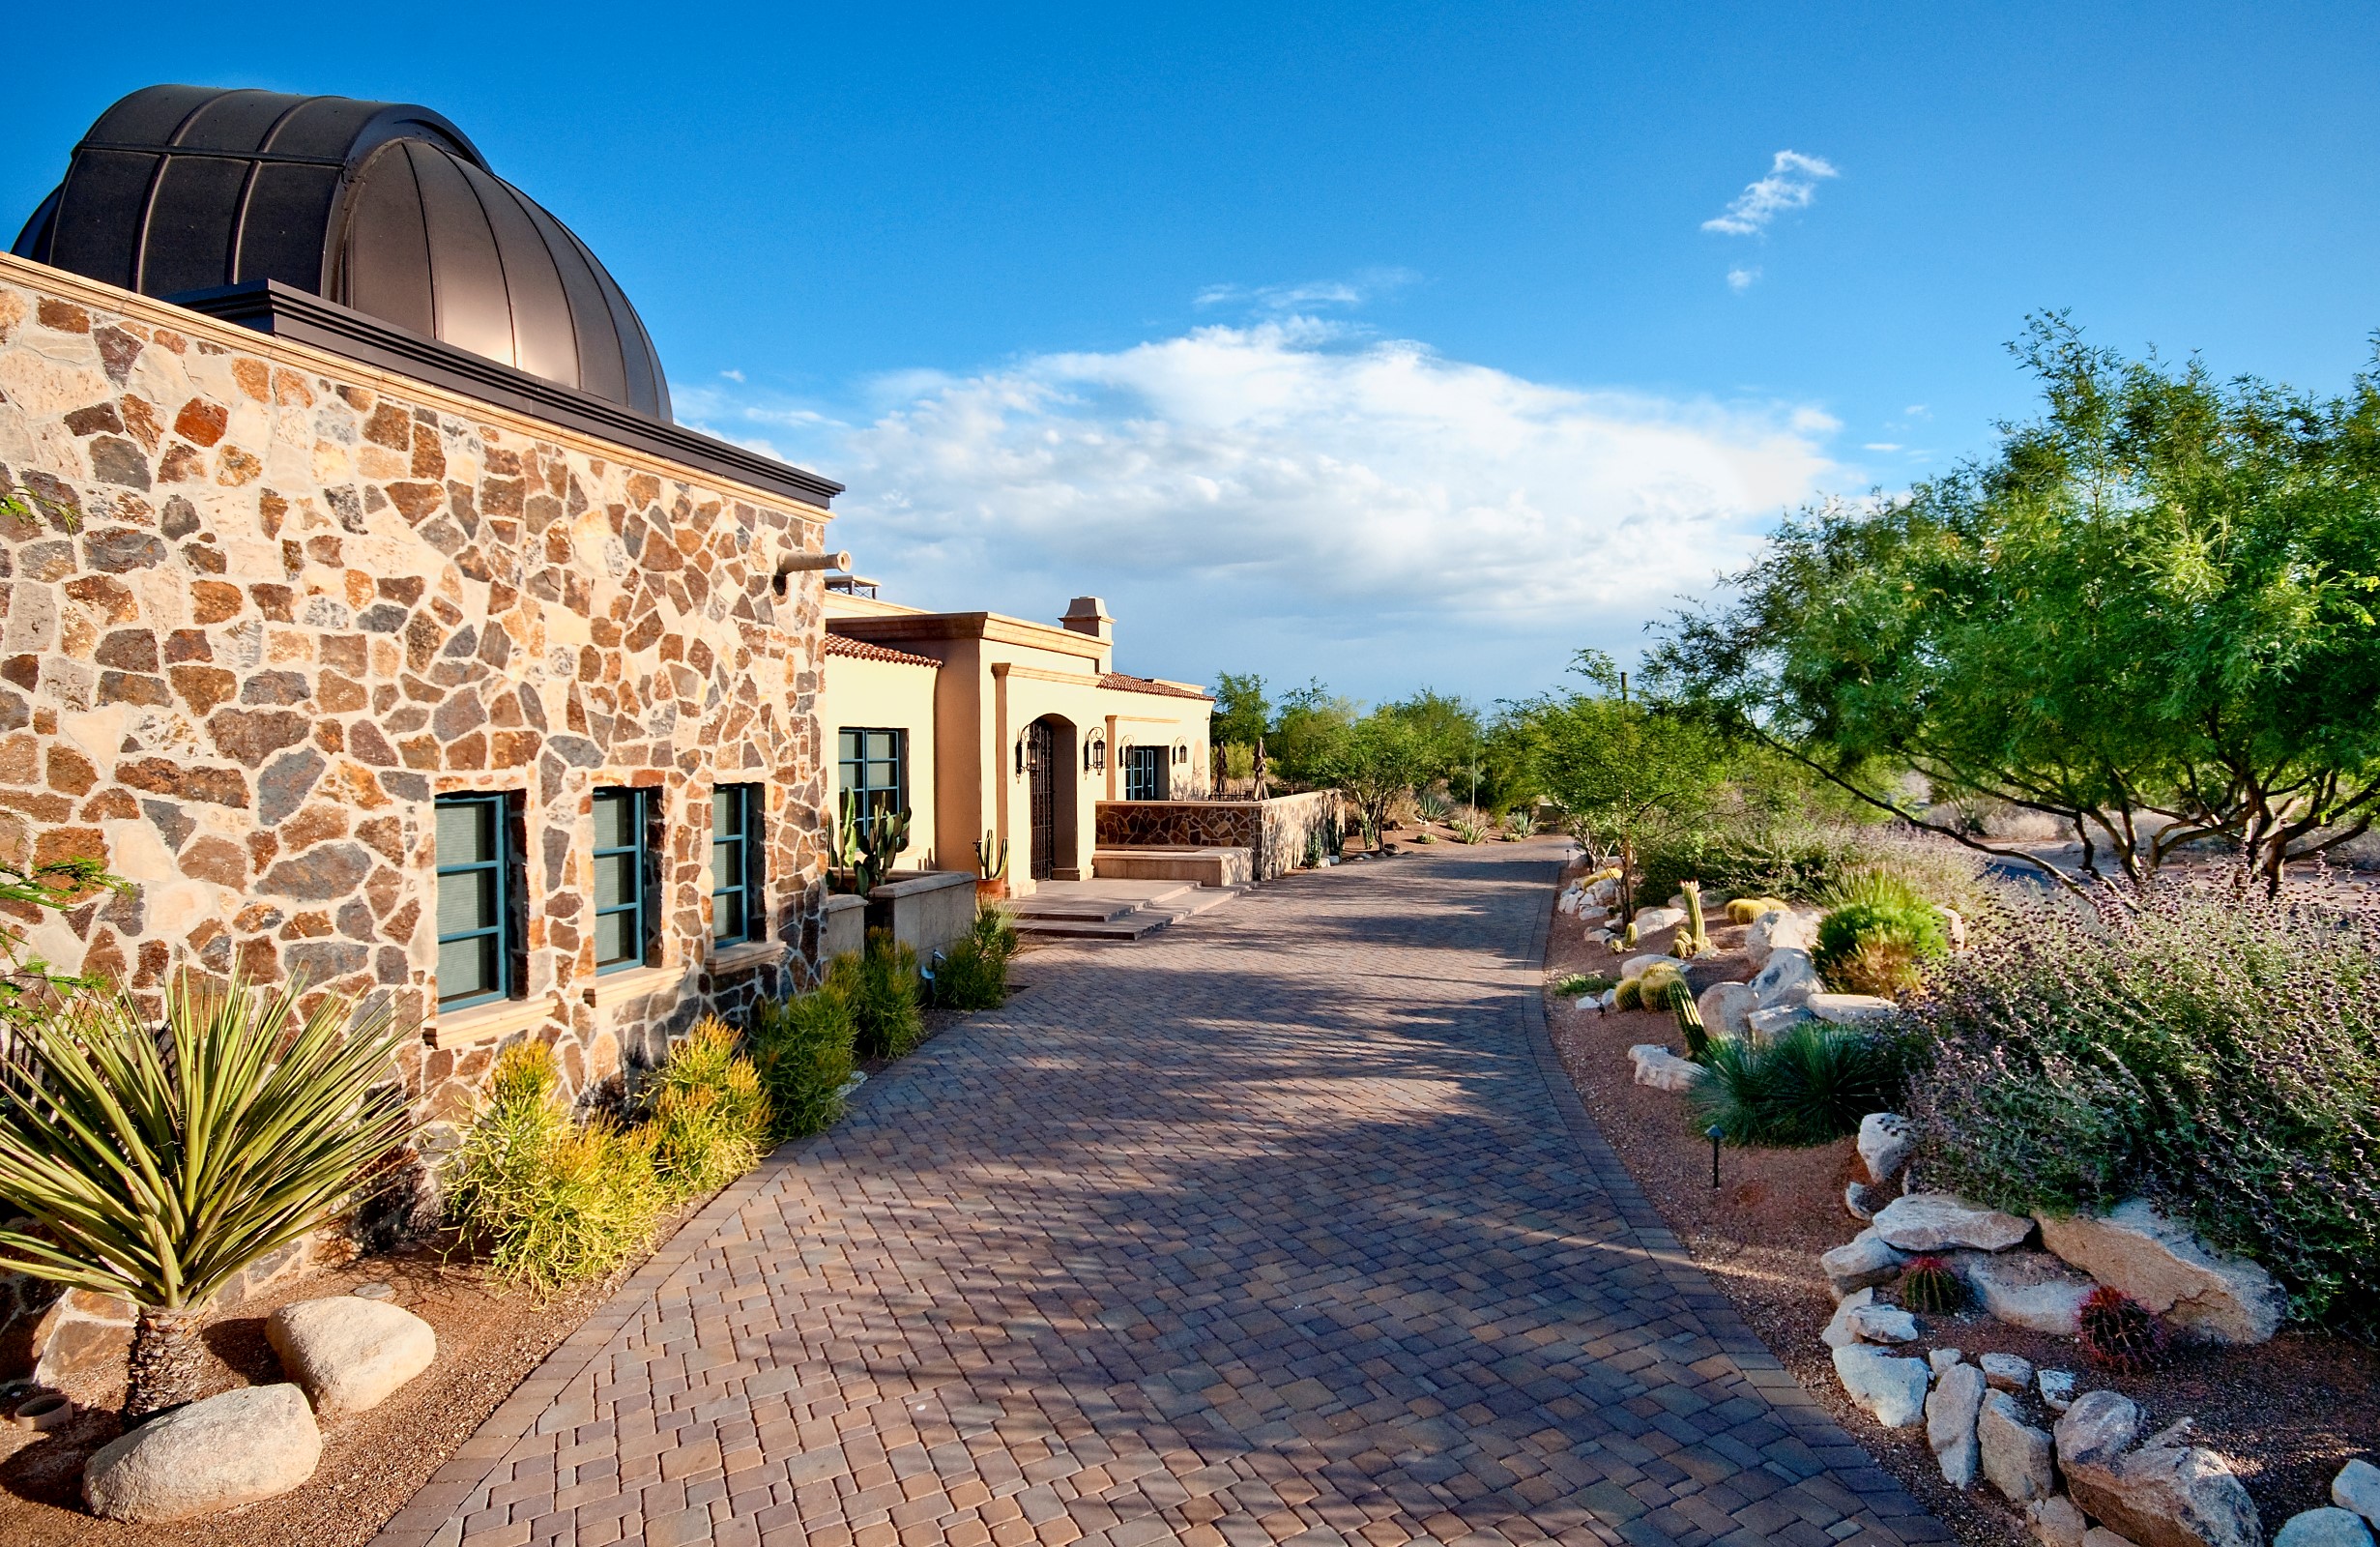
[[1041, 768], [1145, 771]]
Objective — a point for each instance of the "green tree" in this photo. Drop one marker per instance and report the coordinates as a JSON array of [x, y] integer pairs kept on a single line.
[[1450, 735], [1375, 761], [1241, 712], [1307, 730], [2149, 614]]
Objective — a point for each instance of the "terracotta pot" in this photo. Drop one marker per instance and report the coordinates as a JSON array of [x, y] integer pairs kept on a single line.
[[991, 888]]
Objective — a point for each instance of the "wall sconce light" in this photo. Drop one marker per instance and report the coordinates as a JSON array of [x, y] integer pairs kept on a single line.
[[1020, 757], [1094, 755]]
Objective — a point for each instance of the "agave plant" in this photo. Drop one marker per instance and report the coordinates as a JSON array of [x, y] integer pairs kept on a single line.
[[155, 1165]]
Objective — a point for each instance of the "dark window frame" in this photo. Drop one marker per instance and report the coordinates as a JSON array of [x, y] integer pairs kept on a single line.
[[873, 797], [748, 887], [644, 806], [510, 896]]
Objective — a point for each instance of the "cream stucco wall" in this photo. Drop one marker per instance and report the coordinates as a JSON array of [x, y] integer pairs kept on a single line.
[[883, 695]]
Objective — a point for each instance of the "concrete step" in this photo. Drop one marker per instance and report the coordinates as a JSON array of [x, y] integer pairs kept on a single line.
[[1140, 922], [1106, 902]]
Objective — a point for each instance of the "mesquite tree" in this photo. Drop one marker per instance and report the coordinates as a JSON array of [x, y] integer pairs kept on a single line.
[[2152, 614]]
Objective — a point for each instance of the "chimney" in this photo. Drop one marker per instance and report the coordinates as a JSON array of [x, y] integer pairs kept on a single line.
[[1089, 615]]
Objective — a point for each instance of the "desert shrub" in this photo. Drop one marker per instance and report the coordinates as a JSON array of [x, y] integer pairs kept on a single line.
[[883, 984], [707, 1112], [2215, 1052], [1750, 852], [801, 1049], [550, 1201], [1574, 984], [975, 971], [1881, 945], [1467, 829], [1808, 1085]]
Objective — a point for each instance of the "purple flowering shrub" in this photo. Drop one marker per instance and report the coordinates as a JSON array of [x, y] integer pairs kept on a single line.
[[2215, 1051]]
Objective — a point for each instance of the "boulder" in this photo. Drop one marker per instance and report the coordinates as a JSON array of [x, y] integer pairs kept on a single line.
[[1893, 1390], [2165, 1266], [1884, 1144], [2096, 1430], [1941, 1360], [2057, 1388], [1635, 966], [2357, 1487], [2007, 1372], [1789, 979], [1938, 1221], [2018, 1459], [1839, 1332], [1950, 1423], [1953, 925], [2055, 1522], [1663, 1069], [1852, 1009], [2323, 1528], [350, 1353], [1860, 1261], [2101, 1537], [2172, 1496], [1858, 1202], [1884, 1324], [1725, 1007], [1779, 930], [2028, 1289], [1768, 1023], [255, 1443], [1650, 920], [80, 1336]]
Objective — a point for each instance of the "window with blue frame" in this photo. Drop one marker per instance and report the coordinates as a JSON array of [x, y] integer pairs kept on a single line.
[[1145, 771], [476, 934], [873, 765], [623, 885], [737, 913]]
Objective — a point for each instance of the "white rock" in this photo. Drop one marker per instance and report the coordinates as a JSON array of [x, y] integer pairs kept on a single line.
[[1884, 1324], [1884, 1144], [1725, 1007], [1766, 1023], [1892, 1389], [2169, 1496], [2323, 1528], [1779, 929], [1649, 920], [349, 1353], [1663, 1069], [2007, 1372], [2017, 1458], [1788, 978], [1941, 1359], [1950, 1423], [2057, 1388], [2101, 1537], [1588, 1001], [1852, 1009], [1863, 1260], [1839, 1332], [2028, 1289], [255, 1443], [2357, 1487], [1635, 965], [2165, 1266], [1610, 999], [1858, 1202], [1936, 1221], [2056, 1522]]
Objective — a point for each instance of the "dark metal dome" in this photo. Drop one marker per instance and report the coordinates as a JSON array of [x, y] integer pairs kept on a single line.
[[380, 207]]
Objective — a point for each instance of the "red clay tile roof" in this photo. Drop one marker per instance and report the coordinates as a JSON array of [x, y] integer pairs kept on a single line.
[[861, 650], [1143, 684]]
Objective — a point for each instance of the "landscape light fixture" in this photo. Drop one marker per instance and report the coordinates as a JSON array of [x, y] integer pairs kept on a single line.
[[1714, 1133]]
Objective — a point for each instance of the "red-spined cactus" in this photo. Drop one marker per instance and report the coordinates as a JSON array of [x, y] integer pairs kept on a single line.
[[1930, 1285], [2119, 1333]]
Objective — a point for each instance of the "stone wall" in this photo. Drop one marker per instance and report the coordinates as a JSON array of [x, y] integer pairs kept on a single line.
[[1274, 831], [265, 605]]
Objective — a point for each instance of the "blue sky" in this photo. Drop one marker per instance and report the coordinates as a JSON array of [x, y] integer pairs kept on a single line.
[[1392, 345]]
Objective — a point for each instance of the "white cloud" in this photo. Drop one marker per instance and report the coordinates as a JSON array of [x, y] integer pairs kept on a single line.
[[1282, 299], [1741, 280], [1880, 445], [733, 375], [1280, 496], [1791, 184]]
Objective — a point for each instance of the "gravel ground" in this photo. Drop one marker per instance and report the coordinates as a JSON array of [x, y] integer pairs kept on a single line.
[[2286, 1414]]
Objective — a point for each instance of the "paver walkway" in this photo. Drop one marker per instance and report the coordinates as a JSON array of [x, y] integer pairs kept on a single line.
[[1281, 1225]]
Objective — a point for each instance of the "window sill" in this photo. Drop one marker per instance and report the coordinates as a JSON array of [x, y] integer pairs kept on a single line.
[[489, 1022], [610, 989], [745, 954]]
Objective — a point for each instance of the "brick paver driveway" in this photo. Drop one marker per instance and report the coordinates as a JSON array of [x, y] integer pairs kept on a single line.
[[1280, 1225]]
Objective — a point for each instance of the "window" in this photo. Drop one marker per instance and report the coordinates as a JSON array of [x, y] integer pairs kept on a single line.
[[475, 932], [737, 909], [624, 906], [1144, 770], [874, 765]]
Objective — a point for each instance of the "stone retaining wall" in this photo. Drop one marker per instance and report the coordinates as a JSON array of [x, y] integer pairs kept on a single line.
[[1274, 831]]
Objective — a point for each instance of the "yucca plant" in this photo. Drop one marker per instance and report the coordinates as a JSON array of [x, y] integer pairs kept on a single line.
[[155, 1165]]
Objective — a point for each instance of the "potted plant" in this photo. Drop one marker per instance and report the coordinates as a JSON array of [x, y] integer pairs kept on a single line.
[[991, 869]]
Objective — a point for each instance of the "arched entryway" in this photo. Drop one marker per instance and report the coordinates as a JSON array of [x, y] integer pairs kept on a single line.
[[1050, 797]]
